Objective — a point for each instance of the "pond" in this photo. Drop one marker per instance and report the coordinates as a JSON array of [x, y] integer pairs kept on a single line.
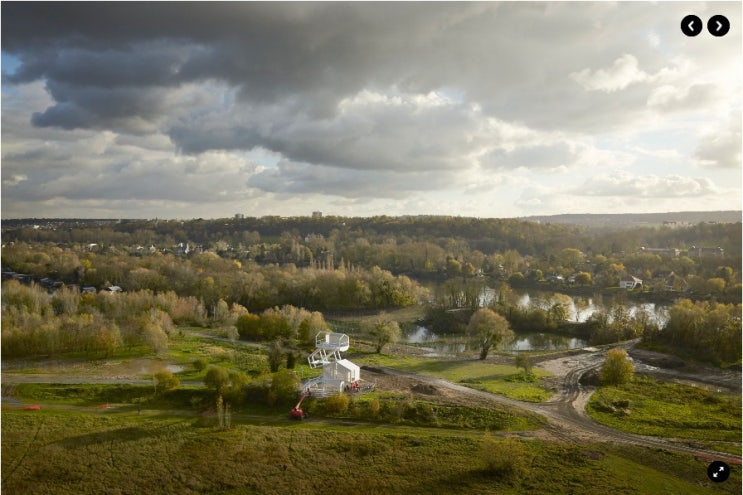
[[578, 308], [443, 344]]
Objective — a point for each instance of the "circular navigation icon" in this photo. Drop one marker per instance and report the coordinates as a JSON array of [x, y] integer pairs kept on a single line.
[[718, 471], [718, 25], [691, 25]]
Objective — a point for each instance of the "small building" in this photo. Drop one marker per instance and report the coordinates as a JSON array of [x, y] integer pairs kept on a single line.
[[316, 214], [629, 282], [675, 283], [343, 370]]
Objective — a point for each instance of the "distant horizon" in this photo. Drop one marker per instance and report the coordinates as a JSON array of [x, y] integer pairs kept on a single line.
[[330, 215], [474, 109]]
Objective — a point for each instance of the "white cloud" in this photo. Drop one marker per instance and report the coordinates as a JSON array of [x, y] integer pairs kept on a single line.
[[621, 183], [14, 179], [623, 72], [722, 147]]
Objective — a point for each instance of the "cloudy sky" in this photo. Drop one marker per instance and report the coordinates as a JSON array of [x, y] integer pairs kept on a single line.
[[168, 110]]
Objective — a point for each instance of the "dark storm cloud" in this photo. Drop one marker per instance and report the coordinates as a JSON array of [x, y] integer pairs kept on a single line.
[[173, 101], [320, 53], [122, 108]]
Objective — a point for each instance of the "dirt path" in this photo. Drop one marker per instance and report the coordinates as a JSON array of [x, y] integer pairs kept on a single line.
[[566, 410]]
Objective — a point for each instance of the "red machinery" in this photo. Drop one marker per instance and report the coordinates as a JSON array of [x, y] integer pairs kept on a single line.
[[297, 413]]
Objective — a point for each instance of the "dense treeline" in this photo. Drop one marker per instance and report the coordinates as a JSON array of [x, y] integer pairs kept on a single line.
[[36, 323], [486, 235], [210, 278], [704, 330], [420, 247], [252, 276]]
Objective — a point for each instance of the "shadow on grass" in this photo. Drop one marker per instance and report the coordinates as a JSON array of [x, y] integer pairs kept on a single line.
[[121, 435]]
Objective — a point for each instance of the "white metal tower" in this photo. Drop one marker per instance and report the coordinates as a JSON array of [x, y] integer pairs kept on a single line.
[[338, 374]]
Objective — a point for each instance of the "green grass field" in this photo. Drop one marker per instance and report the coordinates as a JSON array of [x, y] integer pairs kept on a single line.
[[650, 407], [383, 443], [71, 452], [500, 379]]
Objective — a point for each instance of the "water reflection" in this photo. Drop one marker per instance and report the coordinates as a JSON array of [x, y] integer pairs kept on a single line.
[[578, 308], [423, 336]]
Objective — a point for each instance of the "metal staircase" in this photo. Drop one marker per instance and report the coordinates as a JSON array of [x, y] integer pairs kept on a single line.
[[327, 354]]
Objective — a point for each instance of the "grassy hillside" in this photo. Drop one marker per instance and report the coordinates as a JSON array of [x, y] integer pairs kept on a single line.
[[74, 452], [650, 407]]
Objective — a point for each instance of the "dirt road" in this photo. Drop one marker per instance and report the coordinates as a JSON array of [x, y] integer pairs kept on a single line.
[[566, 410]]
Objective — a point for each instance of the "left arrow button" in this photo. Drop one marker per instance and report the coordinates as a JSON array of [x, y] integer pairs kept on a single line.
[[691, 25]]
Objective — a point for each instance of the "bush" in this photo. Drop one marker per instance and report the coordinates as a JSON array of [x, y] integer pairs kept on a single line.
[[217, 378], [166, 381], [617, 368], [284, 388], [336, 404], [505, 458]]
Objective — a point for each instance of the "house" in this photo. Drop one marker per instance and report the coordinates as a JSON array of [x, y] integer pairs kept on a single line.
[[675, 283], [629, 282]]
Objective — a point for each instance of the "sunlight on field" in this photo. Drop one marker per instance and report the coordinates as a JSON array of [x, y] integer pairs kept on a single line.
[[500, 379]]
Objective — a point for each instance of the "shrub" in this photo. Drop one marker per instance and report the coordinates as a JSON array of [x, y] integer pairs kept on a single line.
[[336, 404], [166, 381], [617, 368], [217, 378], [505, 458], [284, 388]]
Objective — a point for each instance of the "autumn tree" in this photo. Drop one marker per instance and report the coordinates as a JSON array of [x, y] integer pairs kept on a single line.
[[488, 329], [617, 368], [166, 381], [217, 378], [383, 329], [284, 387], [275, 355], [583, 278]]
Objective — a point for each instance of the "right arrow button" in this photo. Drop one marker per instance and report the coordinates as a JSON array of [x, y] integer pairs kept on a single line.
[[718, 25]]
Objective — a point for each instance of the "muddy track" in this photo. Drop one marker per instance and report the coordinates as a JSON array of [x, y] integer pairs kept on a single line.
[[566, 410]]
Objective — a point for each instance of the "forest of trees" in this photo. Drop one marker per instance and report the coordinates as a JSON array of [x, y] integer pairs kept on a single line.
[[430, 248], [270, 277]]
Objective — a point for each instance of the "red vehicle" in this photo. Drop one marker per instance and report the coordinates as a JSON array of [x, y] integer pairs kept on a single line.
[[296, 413]]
